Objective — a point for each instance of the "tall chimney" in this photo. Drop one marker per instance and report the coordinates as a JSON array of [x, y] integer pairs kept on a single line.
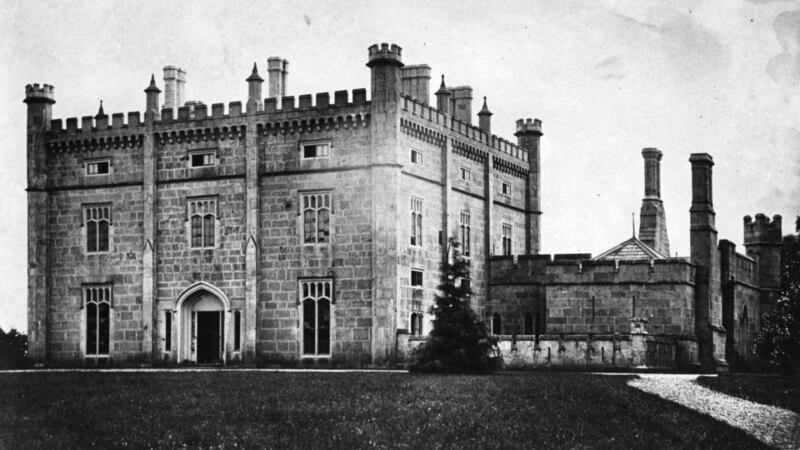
[[180, 92], [416, 82], [174, 87], [652, 218], [278, 70], [705, 257]]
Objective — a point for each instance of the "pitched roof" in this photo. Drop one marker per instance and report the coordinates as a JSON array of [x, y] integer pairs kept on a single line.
[[632, 249]]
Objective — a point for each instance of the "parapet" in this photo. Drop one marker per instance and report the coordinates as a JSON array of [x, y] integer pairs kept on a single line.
[[529, 126], [35, 92], [762, 230], [385, 55]]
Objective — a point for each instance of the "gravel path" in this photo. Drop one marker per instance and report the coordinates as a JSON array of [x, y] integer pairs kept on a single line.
[[774, 426]]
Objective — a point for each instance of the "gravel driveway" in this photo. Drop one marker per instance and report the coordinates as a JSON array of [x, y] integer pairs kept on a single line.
[[774, 426]]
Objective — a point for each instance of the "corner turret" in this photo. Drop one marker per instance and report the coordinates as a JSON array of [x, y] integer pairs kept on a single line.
[[528, 134], [40, 100], [385, 63], [763, 241]]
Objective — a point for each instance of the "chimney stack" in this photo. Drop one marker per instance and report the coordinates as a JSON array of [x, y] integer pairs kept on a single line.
[[278, 70], [415, 82], [462, 103], [174, 87], [652, 217]]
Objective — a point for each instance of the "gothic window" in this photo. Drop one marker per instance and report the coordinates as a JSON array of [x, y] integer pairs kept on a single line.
[[167, 331], [497, 326], [528, 325], [313, 150], [98, 167], [507, 249], [316, 217], [202, 221], [237, 330], [97, 306], [464, 229], [316, 299], [416, 221], [416, 324], [97, 219]]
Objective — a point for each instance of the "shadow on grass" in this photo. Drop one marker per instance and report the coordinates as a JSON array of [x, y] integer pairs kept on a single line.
[[255, 409], [768, 390]]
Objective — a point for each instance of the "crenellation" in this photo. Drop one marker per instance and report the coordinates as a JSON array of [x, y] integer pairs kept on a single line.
[[305, 101], [87, 124], [340, 98], [217, 110], [234, 109]]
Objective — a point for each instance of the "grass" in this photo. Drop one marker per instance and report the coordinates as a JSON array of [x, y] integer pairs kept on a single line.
[[312, 410], [769, 390]]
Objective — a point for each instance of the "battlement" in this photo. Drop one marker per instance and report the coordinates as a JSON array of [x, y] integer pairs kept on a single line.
[[434, 116], [579, 269], [385, 54], [97, 123], [762, 230], [36, 92], [529, 126]]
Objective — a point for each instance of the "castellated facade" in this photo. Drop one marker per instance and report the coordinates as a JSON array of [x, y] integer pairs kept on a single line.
[[310, 230]]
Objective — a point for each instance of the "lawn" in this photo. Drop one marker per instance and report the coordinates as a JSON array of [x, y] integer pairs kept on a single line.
[[312, 410], [768, 390]]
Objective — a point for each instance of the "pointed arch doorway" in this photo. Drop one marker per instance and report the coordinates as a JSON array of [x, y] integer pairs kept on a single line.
[[203, 316]]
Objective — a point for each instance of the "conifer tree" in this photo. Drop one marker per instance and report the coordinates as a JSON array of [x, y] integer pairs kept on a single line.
[[458, 341]]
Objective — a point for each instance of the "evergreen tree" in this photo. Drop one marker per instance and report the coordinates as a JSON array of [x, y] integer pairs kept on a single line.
[[779, 339], [458, 342]]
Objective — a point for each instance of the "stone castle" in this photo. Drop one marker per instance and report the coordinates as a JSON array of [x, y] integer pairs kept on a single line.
[[311, 230]]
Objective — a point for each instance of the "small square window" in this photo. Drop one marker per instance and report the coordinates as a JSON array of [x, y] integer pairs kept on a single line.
[[202, 159], [506, 189], [466, 174], [416, 278], [98, 167], [416, 157], [316, 150]]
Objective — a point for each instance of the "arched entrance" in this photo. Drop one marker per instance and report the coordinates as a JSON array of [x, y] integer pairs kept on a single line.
[[203, 315]]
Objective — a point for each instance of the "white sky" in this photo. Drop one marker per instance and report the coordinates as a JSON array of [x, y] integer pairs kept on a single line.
[[607, 78]]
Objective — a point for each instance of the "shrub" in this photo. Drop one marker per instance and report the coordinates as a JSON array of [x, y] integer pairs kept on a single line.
[[458, 341], [13, 349]]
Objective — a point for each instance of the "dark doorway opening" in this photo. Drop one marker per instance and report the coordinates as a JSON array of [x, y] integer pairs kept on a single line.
[[209, 337]]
